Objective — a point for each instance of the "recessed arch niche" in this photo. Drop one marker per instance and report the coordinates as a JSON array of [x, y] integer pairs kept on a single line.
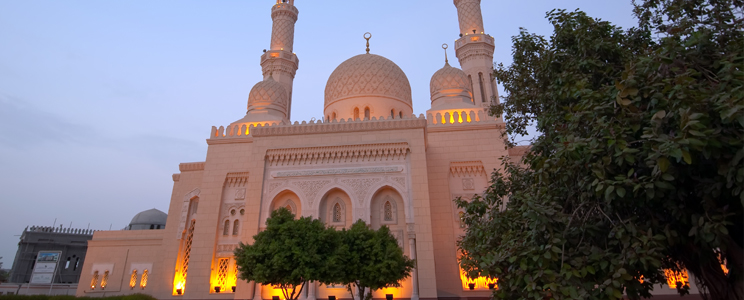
[[336, 209], [289, 200], [387, 208]]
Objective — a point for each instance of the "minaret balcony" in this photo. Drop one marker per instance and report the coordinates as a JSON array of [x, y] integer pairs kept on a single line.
[[284, 7], [279, 55], [474, 39]]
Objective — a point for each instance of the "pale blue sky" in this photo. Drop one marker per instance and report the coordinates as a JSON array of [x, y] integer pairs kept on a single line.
[[100, 100]]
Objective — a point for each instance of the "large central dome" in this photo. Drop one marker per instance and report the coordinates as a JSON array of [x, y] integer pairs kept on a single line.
[[368, 80]]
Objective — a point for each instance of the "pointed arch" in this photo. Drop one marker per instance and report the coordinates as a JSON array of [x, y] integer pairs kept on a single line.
[[287, 199], [367, 113], [335, 208], [356, 113], [385, 210], [482, 89]]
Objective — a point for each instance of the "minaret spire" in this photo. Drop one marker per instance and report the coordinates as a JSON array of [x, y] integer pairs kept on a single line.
[[445, 46], [475, 49], [367, 36], [280, 62]]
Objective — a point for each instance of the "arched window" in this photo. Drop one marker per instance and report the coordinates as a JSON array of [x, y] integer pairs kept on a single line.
[[226, 230], [133, 280], [94, 280], [400, 114], [392, 113], [366, 113], [328, 118], [143, 282], [104, 281], [333, 116], [388, 211], [236, 226], [493, 87], [337, 213], [482, 90], [193, 206], [470, 78], [356, 113]]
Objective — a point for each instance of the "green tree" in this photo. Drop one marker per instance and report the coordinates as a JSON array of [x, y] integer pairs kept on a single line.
[[371, 259], [3, 274], [289, 253], [639, 166]]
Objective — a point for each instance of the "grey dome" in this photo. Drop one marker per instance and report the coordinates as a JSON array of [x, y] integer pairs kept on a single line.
[[149, 219]]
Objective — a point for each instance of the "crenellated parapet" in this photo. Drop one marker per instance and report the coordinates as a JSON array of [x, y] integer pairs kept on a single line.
[[245, 134]]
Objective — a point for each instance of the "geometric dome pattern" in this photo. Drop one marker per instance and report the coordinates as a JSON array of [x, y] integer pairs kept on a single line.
[[449, 78], [368, 75], [268, 92]]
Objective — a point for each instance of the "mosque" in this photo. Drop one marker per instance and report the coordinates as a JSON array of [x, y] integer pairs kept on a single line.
[[369, 158]]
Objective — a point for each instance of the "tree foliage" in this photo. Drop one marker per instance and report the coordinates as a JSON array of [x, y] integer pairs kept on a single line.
[[639, 166], [3, 274], [288, 253], [371, 259]]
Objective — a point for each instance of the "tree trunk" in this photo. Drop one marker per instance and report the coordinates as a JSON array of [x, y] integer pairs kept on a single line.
[[713, 282]]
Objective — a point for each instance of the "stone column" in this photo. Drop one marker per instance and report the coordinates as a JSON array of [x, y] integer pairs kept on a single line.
[[414, 272], [311, 290], [257, 292]]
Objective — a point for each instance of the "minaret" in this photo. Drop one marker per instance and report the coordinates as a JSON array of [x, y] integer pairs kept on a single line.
[[474, 49], [280, 62]]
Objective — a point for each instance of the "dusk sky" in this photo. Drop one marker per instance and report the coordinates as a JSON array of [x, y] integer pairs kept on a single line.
[[101, 100]]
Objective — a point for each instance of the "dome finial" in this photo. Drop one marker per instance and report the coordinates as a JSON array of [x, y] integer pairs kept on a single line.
[[445, 46], [367, 36]]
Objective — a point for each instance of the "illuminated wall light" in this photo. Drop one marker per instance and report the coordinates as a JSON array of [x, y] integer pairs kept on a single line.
[[143, 282], [104, 281], [133, 279], [94, 281]]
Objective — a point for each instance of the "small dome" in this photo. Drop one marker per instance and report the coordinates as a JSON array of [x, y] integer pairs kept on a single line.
[[149, 219], [368, 75], [448, 78], [266, 93]]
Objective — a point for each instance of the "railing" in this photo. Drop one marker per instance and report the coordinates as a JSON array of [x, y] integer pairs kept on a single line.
[[50, 229], [455, 117], [319, 126]]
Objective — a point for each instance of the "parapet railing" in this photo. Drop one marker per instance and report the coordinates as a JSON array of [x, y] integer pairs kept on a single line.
[[315, 127], [457, 117], [50, 229]]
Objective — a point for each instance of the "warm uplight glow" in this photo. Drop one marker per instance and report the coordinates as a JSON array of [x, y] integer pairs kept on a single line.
[[474, 38], [225, 276], [396, 292], [454, 117], [676, 277], [143, 282], [275, 54], [480, 283], [104, 281], [133, 279]]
